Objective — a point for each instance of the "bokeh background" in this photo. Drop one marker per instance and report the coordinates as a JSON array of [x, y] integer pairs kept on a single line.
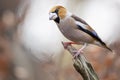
[[30, 44]]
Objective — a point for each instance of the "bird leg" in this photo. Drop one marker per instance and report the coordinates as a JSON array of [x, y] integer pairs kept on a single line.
[[66, 44], [80, 50]]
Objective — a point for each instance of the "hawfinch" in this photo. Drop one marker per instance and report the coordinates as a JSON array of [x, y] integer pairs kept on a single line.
[[75, 29]]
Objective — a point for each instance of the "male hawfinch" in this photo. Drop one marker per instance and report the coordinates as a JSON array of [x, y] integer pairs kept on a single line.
[[75, 29]]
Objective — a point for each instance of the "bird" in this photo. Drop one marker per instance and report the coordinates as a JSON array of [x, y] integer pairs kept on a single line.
[[75, 29]]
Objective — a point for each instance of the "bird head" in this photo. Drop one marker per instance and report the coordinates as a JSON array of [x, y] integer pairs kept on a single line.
[[57, 13]]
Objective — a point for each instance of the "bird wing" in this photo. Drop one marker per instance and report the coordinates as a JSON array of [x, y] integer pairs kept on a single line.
[[82, 25]]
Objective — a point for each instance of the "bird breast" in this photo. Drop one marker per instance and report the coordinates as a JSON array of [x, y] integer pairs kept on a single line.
[[70, 31]]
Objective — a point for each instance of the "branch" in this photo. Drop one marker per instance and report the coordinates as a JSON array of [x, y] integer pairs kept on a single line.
[[82, 66]]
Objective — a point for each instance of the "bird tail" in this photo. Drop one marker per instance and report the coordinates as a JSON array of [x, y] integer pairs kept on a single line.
[[102, 44]]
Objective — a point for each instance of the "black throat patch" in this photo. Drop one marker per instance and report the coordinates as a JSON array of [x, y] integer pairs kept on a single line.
[[57, 20]]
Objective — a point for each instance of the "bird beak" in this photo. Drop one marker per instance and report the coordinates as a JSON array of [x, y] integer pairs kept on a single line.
[[52, 16]]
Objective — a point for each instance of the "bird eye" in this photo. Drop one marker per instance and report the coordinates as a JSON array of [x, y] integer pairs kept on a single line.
[[56, 11]]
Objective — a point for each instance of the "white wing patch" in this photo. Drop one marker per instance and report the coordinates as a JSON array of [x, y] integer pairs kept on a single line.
[[81, 24]]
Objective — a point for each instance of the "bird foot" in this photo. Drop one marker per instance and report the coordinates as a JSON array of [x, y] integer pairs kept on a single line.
[[77, 53]]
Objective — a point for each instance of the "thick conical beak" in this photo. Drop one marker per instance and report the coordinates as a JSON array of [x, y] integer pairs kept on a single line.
[[52, 16]]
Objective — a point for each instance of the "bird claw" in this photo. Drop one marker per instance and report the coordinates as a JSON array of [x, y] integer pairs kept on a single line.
[[77, 53]]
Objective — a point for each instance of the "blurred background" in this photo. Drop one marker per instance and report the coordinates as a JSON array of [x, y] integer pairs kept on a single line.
[[30, 44]]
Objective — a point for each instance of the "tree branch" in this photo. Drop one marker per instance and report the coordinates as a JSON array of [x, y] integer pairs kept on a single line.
[[82, 66]]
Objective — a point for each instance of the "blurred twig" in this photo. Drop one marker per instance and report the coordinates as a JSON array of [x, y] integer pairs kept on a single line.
[[81, 65]]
